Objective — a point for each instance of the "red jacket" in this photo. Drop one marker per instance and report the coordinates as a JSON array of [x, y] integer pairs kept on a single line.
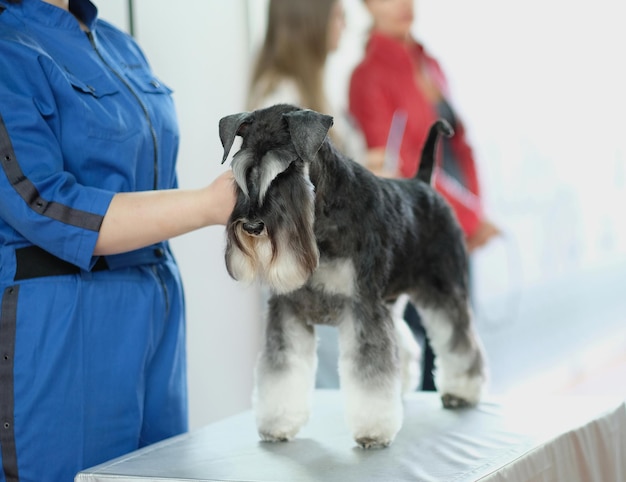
[[383, 83]]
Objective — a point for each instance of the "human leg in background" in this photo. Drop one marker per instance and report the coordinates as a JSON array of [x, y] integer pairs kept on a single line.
[[412, 318]]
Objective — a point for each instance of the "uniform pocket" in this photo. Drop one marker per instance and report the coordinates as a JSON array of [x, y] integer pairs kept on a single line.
[[105, 113], [147, 82], [152, 85], [96, 87]]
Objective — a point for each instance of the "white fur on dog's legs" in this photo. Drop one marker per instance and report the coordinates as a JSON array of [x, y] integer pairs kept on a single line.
[[373, 407], [284, 383], [409, 351], [459, 370]]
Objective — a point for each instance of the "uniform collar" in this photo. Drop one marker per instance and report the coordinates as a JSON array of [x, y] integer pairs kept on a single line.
[[51, 16]]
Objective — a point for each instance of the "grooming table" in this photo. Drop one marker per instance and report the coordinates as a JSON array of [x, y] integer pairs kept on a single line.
[[538, 439]]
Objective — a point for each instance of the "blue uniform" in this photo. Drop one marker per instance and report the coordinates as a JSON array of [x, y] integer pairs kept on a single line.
[[92, 350]]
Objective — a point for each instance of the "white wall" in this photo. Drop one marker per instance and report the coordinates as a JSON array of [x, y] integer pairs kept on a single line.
[[201, 51]]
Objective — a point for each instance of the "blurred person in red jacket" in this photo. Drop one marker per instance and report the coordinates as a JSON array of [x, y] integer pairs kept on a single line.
[[396, 92]]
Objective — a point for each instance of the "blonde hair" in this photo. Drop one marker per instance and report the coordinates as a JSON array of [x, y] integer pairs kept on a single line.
[[295, 47]]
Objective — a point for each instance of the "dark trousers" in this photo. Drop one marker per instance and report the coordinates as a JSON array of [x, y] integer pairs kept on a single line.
[[412, 318]]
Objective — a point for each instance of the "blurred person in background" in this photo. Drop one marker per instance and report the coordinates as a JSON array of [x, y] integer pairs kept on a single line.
[[291, 63], [396, 93]]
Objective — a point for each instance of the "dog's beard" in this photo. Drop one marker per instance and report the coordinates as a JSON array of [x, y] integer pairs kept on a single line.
[[285, 254], [281, 261]]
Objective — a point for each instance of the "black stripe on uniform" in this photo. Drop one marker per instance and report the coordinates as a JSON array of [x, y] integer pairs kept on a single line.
[[28, 192], [8, 312]]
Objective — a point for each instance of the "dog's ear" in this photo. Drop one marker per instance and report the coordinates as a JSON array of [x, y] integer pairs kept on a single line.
[[308, 130], [230, 127]]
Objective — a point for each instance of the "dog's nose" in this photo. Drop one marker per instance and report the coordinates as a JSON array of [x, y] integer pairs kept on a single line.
[[253, 227]]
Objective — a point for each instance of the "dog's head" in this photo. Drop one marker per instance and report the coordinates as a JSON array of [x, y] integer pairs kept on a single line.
[[270, 232]]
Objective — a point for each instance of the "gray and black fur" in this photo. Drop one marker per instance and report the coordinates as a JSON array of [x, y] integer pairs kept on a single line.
[[336, 244]]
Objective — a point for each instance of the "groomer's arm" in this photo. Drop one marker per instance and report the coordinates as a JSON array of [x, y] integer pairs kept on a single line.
[[139, 219]]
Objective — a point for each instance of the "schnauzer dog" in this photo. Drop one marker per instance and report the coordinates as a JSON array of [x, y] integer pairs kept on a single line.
[[335, 244]]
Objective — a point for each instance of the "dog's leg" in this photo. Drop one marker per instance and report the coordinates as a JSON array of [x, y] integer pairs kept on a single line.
[[369, 373], [285, 374], [459, 363], [409, 351]]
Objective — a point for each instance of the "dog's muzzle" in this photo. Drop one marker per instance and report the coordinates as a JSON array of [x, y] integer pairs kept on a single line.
[[254, 228]]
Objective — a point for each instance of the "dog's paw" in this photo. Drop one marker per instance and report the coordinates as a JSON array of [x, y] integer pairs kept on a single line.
[[275, 437], [378, 429], [452, 401], [373, 413], [373, 442], [460, 391], [281, 428]]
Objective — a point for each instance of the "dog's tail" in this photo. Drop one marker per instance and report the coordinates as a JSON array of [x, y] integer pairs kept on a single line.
[[427, 162]]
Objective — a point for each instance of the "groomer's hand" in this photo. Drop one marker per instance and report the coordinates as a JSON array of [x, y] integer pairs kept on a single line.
[[221, 198]]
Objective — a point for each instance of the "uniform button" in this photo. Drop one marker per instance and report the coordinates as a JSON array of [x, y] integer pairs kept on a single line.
[[159, 253], [7, 158], [7, 425]]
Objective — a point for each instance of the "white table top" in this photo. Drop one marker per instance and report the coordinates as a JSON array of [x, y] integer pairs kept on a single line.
[[539, 440]]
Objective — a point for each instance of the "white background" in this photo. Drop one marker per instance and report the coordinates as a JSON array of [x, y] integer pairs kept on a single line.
[[540, 86]]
